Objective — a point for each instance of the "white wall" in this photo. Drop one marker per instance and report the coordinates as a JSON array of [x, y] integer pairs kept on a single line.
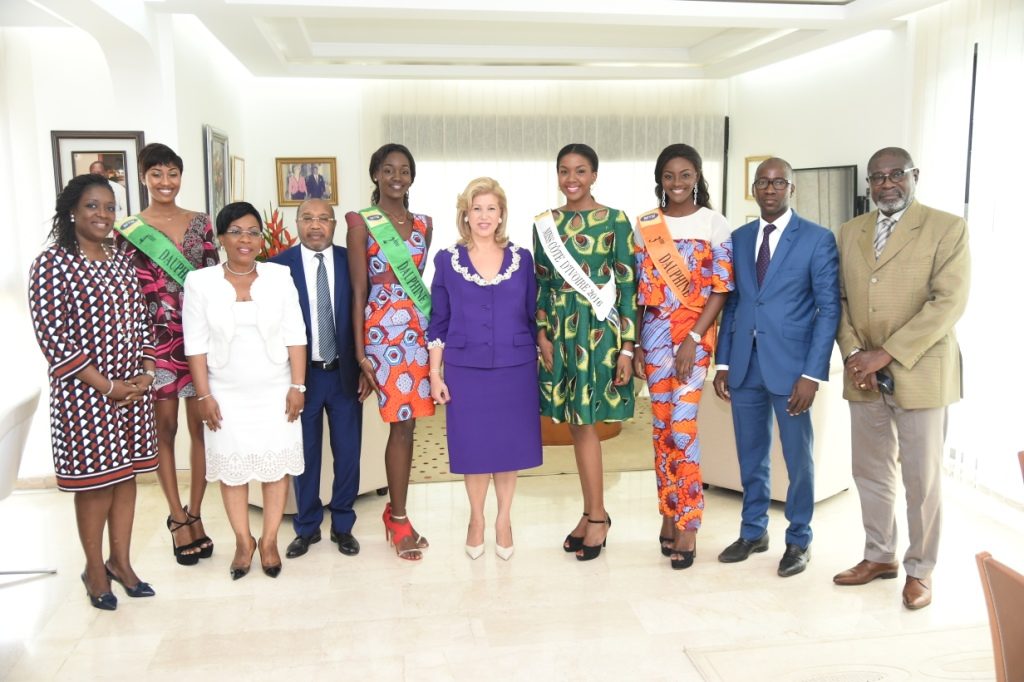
[[832, 107]]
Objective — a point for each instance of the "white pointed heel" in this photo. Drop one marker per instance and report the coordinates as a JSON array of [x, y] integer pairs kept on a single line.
[[504, 553], [474, 552]]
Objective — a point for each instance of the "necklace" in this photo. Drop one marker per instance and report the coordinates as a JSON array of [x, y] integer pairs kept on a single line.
[[405, 216], [240, 274]]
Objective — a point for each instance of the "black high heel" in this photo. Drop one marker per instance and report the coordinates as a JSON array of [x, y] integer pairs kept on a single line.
[[180, 555], [665, 551], [105, 602], [687, 558], [573, 543], [141, 589], [589, 552], [272, 571], [205, 544], [239, 572]]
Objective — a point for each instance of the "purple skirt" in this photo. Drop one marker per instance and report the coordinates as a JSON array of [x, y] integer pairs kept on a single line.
[[493, 419]]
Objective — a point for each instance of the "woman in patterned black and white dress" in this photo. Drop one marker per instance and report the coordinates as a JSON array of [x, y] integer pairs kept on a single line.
[[91, 323]]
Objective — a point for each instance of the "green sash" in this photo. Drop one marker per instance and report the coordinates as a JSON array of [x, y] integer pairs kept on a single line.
[[155, 244], [397, 253]]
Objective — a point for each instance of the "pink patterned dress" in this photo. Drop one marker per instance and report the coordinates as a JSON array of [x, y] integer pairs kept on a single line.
[[164, 300]]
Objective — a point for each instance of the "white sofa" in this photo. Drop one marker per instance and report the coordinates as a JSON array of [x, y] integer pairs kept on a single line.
[[830, 416]]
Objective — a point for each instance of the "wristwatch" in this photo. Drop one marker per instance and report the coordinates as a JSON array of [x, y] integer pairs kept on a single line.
[[299, 387], [150, 372], [695, 336]]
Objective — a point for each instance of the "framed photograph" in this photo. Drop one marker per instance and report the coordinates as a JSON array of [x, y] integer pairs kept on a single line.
[[237, 178], [113, 153], [218, 168], [752, 162], [300, 178]]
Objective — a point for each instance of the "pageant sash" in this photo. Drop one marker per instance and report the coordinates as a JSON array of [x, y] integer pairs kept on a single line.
[[397, 253], [666, 257], [155, 244], [601, 298], [669, 262]]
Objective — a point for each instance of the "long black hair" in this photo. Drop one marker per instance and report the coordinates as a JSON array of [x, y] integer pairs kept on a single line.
[[377, 159], [63, 231], [682, 151]]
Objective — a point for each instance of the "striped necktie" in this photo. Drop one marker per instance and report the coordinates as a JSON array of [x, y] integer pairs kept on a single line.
[[764, 255], [324, 314], [882, 232]]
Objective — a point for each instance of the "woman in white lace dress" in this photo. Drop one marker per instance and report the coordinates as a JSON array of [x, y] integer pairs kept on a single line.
[[246, 345]]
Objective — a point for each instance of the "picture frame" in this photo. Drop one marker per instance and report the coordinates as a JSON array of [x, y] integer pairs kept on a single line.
[[750, 171], [237, 178], [293, 173], [75, 150], [217, 162]]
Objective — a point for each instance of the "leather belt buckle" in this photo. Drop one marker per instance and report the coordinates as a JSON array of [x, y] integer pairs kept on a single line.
[[327, 366]]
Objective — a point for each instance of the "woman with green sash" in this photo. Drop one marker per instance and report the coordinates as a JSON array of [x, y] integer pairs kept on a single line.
[[167, 242], [387, 251], [586, 312]]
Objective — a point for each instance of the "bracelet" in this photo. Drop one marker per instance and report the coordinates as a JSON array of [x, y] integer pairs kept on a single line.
[[625, 351], [111, 389], [543, 324], [364, 359], [150, 372], [436, 371], [204, 397]]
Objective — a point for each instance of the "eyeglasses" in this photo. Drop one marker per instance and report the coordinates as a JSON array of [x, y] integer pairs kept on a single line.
[[877, 179], [777, 183], [307, 220], [235, 232]]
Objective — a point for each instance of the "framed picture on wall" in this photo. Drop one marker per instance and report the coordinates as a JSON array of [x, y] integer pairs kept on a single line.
[[300, 178], [750, 173], [237, 178], [113, 153], [218, 168]]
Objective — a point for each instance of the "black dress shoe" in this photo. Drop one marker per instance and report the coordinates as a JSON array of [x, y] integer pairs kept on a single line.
[[741, 549], [300, 545], [794, 560], [347, 544]]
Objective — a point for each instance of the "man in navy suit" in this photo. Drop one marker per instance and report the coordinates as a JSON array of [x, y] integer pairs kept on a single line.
[[778, 328], [315, 184], [320, 271]]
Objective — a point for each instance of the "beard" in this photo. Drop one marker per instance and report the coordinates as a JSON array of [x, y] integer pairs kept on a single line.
[[893, 204]]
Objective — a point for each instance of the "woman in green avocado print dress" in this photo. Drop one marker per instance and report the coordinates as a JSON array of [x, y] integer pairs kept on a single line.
[[586, 314]]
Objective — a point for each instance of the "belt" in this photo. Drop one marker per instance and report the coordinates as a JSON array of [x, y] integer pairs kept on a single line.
[[319, 364]]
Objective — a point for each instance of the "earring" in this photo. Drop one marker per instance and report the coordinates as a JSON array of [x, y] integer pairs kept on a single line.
[[72, 219], [663, 202], [695, 195]]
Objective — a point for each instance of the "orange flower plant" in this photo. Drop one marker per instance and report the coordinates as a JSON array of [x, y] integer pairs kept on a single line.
[[275, 237]]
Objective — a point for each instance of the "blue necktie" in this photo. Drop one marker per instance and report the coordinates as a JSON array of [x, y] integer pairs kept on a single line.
[[324, 314]]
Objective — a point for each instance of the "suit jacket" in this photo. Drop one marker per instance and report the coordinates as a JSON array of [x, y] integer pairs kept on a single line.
[[907, 302], [315, 186], [793, 315], [484, 325], [209, 325], [348, 370]]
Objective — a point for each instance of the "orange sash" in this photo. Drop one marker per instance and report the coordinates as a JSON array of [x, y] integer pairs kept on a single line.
[[669, 262]]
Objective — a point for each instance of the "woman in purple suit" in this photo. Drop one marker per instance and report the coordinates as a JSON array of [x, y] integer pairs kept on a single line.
[[482, 329]]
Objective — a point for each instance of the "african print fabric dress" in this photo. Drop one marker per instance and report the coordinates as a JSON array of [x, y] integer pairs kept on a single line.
[[85, 313], [164, 299], [394, 333], [705, 243], [580, 387]]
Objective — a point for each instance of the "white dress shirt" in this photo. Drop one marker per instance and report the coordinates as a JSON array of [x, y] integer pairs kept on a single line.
[[310, 264]]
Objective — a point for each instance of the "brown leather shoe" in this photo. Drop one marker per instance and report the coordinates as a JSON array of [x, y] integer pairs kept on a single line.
[[865, 572], [917, 593]]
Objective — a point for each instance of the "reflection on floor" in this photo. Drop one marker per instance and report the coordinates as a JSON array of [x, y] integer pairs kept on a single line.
[[540, 616]]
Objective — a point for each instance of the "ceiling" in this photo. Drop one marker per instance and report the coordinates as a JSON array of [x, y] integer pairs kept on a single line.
[[556, 39]]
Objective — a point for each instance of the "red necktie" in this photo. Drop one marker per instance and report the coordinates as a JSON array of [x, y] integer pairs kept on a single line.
[[764, 256]]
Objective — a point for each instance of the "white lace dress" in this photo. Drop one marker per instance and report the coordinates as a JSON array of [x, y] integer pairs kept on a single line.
[[256, 442]]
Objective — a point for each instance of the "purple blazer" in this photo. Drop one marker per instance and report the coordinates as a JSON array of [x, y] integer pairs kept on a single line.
[[484, 323]]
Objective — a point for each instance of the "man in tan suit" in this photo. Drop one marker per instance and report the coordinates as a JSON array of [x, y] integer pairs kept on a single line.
[[904, 275]]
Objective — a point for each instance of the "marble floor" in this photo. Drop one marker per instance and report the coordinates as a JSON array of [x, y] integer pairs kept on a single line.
[[540, 616]]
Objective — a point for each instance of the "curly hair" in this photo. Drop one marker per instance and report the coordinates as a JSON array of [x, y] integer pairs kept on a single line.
[[63, 231], [377, 160], [682, 151], [464, 202]]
